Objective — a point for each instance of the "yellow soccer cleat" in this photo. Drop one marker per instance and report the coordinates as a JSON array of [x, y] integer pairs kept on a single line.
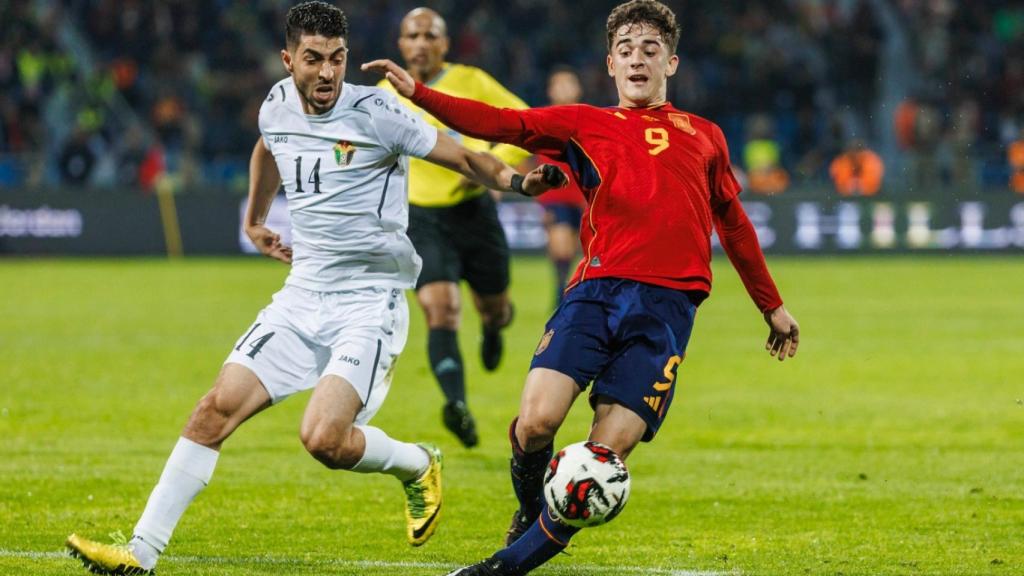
[[423, 500], [105, 558]]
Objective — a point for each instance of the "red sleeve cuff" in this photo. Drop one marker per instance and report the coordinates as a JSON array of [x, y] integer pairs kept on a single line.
[[417, 94], [739, 239]]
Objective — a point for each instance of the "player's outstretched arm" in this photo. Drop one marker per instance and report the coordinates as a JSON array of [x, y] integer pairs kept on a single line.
[[465, 116], [541, 130], [264, 182], [488, 171], [739, 239]]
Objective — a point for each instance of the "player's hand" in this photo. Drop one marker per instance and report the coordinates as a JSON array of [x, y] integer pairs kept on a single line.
[[784, 333], [543, 178], [399, 78], [269, 243]]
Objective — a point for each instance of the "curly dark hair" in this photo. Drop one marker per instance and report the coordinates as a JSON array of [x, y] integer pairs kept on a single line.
[[649, 12], [314, 18]]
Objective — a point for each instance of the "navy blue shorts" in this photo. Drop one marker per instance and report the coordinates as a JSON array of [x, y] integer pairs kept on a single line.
[[626, 337], [565, 214]]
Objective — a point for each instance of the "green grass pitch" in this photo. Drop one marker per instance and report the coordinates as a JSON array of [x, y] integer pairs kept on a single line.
[[893, 443]]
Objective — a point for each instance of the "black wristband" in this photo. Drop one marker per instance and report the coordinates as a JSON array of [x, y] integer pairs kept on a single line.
[[517, 184]]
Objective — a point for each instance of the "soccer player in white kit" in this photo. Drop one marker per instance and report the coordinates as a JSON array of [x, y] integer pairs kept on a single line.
[[341, 319]]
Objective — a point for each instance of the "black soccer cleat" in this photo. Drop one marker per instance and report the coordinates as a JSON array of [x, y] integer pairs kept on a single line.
[[520, 524], [460, 422], [490, 567], [492, 345]]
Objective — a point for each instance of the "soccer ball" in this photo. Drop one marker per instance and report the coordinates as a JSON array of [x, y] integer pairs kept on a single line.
[[586, 484]]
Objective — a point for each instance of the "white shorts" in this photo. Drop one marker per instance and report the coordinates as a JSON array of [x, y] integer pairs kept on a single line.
[[303, 335]]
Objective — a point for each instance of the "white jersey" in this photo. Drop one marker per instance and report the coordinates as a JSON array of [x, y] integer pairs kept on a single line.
[[344, 174]]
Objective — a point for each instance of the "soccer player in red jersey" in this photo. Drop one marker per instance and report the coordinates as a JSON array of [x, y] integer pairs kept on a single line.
[[657, 181]]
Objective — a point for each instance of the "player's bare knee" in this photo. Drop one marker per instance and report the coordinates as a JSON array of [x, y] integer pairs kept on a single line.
[[219, 406], [444, 316], [495, 311], [331, 449], [209, 423], [536, 430], [494, 316], [538, 420], [322, 447]]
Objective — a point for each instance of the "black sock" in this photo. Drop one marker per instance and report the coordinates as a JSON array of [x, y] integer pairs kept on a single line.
[[528, 475], [562, 270], [446, 362]]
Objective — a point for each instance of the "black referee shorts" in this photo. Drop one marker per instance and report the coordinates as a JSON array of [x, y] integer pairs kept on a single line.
[[464, 241]]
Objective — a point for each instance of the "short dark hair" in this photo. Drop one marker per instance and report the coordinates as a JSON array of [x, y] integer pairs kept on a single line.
[[314, 18], [649, 12]]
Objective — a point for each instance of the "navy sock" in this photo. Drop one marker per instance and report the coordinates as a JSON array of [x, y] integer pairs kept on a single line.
[[562, 270], [446, 362], [528, 474], [542, 542]]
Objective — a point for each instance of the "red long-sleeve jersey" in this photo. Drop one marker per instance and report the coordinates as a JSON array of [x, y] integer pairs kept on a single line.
[[656, 181]]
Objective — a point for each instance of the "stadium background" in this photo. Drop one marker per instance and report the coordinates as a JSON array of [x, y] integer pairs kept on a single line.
[[890, 446], [105, 102]]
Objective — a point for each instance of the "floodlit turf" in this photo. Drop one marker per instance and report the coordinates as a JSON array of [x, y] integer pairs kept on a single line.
[[894, 443]]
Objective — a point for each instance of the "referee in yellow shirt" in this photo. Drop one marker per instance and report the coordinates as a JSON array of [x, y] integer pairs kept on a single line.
[[454, 224]]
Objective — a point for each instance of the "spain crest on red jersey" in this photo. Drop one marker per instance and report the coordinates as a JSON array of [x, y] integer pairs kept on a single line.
[[682, 122]]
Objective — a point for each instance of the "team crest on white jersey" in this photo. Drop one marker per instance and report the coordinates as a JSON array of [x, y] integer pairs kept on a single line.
[[343, 152]]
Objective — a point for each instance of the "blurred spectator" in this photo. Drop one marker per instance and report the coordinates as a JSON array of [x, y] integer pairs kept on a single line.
[[77, 159], [904, 121], [1015, 156], [961, 139], [855, 44], [762, 158], [919, 133], [139, 163], [858, 171]]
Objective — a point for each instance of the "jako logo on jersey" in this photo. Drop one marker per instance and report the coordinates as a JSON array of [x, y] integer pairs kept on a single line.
[[349, 359], [544, 341], [343, 153]]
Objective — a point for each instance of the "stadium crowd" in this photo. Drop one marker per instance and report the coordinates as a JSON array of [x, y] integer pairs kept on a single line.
[[112, 92]]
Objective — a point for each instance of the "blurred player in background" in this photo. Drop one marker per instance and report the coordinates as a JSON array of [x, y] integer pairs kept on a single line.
[[453, 223], [341, 320], [563, 207], [657, 181]]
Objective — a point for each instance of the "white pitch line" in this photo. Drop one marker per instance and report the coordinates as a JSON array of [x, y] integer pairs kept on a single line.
[[256, 560]]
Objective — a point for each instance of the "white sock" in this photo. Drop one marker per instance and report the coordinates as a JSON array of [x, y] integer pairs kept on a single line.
[[387, 456], [187, 472]]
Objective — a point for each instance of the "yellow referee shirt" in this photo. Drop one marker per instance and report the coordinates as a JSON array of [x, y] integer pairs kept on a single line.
[[431, 185]]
